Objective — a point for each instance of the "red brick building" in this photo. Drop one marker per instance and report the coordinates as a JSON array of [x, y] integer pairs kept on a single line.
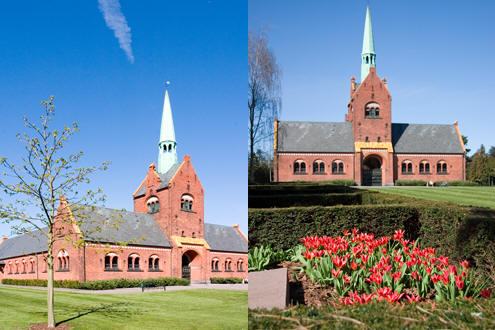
[[368, 148], [165, 236]]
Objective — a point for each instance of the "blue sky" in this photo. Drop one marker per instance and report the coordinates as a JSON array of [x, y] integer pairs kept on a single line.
[[438, 58], [65, 49]]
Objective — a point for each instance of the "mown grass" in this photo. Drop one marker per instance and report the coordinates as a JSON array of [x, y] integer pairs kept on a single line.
[[188, 309], [462, 314], [469, 196]]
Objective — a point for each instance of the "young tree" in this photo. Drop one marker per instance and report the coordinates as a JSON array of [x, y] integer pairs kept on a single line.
[[46, 175], [479, 170], [263, 93]]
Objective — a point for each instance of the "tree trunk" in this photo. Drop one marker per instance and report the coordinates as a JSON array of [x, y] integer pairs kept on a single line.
[[50, 291]]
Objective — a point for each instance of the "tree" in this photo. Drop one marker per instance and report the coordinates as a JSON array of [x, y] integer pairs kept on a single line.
[[479, 170], [491, 152], [263, 93], [46, 176], [262, 167]]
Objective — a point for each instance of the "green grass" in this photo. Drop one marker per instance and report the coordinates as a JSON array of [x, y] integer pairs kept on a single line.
[[462, 314], [188, 309], [469, 196]]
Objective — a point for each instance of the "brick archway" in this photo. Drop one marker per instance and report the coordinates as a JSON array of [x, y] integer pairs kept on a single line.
[[192, 265], [372, 170]]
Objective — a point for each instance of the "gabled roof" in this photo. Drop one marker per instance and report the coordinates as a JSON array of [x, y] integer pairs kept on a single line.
[[426, 138], [303, 136], [108, 225], [29, 243], [164, 178], [224, 238]]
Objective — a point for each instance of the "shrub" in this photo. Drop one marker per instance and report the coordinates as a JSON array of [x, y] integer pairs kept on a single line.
[[264, 257], [297, 188], [101, 285], [287, 200], [410, 183], [225, 280], [456, 183]]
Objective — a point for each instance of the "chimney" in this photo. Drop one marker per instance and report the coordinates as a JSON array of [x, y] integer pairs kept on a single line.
[[4, 238], [353, 84], [384, 80]]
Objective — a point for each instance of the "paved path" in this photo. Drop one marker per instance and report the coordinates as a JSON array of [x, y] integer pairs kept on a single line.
[[137, 290]]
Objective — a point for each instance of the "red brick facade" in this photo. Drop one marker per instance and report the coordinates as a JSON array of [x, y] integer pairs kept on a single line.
[[183, 227], [370, 113]]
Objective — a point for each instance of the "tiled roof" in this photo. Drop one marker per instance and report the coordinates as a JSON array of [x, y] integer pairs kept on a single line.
[[426, 138], [303, 136], [164, 178], [224, 238], [29, 243]]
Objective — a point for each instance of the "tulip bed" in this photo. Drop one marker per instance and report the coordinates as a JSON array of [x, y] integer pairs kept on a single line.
[[363, 269]]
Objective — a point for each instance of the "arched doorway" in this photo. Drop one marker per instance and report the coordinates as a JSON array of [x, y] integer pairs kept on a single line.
[[191, 265], [372, 172]]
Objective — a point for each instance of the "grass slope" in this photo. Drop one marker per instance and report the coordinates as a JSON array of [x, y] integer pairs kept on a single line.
[[476, 314], [188, 309], [469, 196]]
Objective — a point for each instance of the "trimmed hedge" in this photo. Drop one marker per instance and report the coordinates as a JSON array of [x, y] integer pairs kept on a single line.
[[287, 200], [101, 285], [410, 183], [456, 231], [456, 183], [225, 280], [297, 188]]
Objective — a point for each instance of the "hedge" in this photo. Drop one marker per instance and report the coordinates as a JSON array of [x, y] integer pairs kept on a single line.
[[295, 188], [225, 280], [410, 183], [456, 231], [101, 285], [456, 183], [287, 200]]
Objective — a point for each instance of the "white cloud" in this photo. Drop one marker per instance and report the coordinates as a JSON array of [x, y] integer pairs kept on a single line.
[[116, 21]]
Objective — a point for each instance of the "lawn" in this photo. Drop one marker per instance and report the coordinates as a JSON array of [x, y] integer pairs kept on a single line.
[[470, 196], [188, 309]]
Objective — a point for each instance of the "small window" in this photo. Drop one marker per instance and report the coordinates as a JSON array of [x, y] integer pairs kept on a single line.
[[299, 167], [442, 167], [153, 205], [133, 262], [111, 262], [379, 140], [372, 110], [228, 265], [337, 167], [424, 167], [186, 202], [214, 265], [406, 167], [240, 266], [318, 167], [367, 139]]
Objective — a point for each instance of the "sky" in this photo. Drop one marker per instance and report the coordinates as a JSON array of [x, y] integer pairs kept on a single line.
[[437, 56], [106, 67]]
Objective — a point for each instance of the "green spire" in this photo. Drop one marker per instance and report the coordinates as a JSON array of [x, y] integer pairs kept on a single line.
[[167, 152], [368, 56]]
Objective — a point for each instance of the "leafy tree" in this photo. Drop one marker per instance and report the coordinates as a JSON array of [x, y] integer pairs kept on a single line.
[[491, 152], [479, 170], [45, 177], [465, 141], [262, 167], [263, 93]]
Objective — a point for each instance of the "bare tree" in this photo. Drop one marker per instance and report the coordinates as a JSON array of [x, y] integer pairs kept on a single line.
[[46, 178], [263, 92]]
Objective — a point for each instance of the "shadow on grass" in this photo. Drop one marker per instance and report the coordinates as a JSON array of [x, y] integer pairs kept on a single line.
[[107, 310]]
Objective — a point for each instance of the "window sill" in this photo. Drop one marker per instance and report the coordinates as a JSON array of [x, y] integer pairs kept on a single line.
[[407, 173], [300, 173], [189, 211], [62, 270], [424, 173], [135, 270], [215, 271], [112, 270], [338, 173], [31, 272], [155, 270], [376, 117], [442, 173], [229, 271], [319, 173], [240, 271]]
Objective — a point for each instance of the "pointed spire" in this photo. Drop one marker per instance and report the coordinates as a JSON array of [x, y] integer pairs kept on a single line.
[[167, 153], [368, 55]]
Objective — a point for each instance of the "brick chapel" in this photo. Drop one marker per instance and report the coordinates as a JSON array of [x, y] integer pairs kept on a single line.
[[165, 236], [368, 148]]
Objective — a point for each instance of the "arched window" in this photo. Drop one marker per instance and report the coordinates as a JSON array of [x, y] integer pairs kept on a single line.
[[442, 167], [372, 110], [228, 265], [153, 205], [406, 167], [153, 263], [214, 265], [337, 167], [10, 267], [318, 167], [133, 262], [63, 260], [240, 263], [24, 262], [424, 167], [31, 261], [186, 202], [111, 262], [299, 167]]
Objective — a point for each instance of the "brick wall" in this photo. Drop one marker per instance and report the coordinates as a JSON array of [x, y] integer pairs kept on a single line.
[[455, 167]]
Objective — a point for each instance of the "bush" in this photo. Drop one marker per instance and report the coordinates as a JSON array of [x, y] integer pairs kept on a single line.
[[456, 183], [101, 285], [294, 188], [410, 183], [287, 200], [456, 231], [225, 280]]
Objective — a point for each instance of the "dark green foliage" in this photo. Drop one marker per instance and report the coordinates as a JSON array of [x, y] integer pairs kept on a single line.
[[101, 285], [225, 280], [297, 188], [410, 183], [287, 200], [456, 231], [455, 183], [264, 257]]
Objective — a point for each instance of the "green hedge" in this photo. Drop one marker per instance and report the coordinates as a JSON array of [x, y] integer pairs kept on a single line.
[[456, 231], [410, 183], [297, 188], [225, 280], [287, 200], [456, 183], [101, 285]]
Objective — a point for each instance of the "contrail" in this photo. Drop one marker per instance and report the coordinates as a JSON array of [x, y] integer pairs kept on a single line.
[[116, 21]]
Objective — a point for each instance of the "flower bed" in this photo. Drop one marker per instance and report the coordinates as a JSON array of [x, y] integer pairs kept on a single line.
[[361, 269]]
